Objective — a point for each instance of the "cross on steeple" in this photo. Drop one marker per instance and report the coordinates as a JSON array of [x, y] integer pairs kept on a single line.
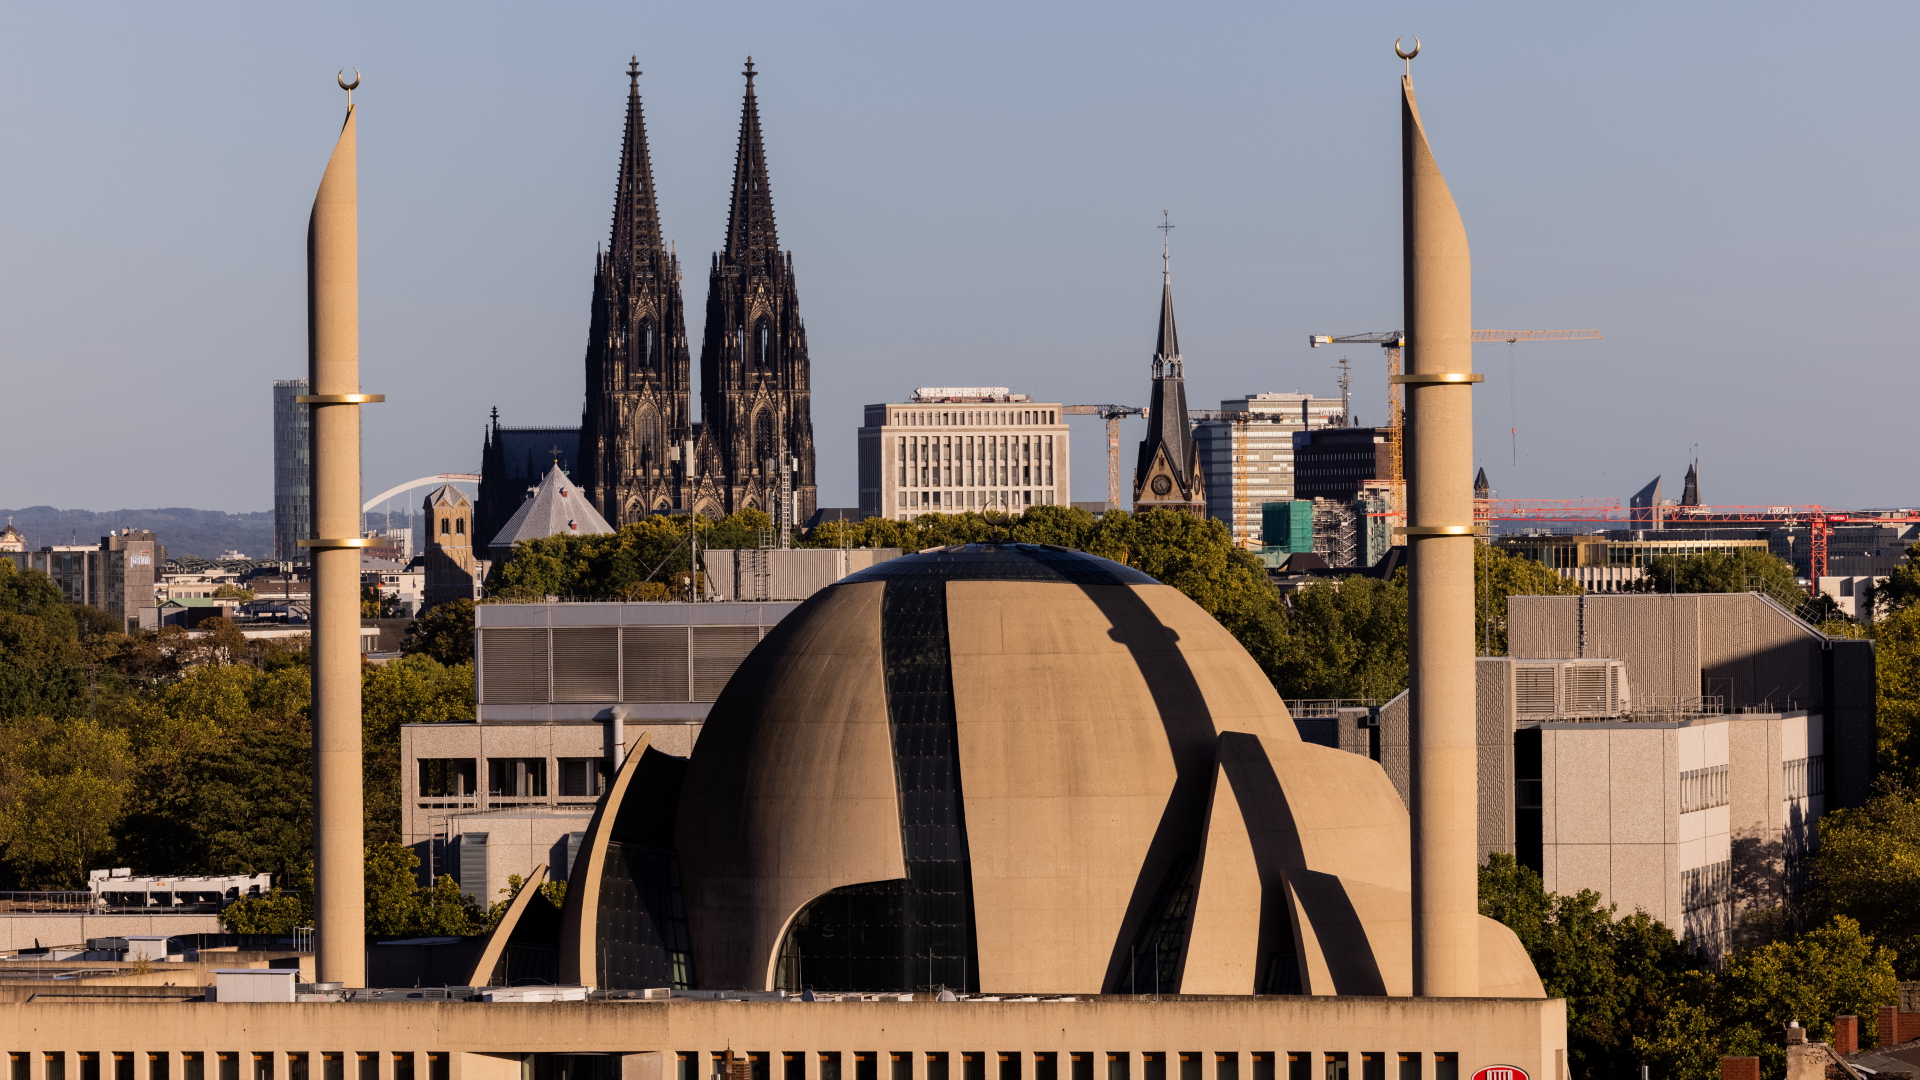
[[1166, 228]]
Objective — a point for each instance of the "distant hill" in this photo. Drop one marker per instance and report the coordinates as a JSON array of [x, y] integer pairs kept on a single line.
[[204, 533]]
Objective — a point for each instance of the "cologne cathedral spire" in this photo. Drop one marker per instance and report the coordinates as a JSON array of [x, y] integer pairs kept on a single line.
[[755, 389], [1168, 476], [638, 370]]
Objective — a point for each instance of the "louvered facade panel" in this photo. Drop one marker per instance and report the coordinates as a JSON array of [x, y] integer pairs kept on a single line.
[[586, 663], [513, 665], [654, 663], [1535, 689], [717, 652]]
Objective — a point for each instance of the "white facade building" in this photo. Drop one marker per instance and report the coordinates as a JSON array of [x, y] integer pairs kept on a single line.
[[1248, 457], [951, 449]]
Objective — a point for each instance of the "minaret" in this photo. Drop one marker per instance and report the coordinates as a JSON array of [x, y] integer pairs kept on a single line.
[[1168, 476], [638, 364], [1440, 532], [333, 351], [755, 381]]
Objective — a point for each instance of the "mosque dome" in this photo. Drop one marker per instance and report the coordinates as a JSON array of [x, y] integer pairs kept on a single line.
[[1002, 767]]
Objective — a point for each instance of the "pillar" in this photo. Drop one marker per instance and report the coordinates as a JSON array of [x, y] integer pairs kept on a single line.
[[333, 338], [1440, 545]]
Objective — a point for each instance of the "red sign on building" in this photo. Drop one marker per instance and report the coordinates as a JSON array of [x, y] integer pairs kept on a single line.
[[1501, 1072]]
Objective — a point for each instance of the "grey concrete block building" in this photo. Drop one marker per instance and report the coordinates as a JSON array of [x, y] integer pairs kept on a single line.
[[1672, 753]]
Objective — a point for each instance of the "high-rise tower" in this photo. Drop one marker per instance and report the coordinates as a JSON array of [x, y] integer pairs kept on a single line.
[[1168, 476], [755, 390], [638, 384]]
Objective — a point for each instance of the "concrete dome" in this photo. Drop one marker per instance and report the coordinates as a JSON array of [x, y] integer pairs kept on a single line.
[[1002, 767], [1018, 740]]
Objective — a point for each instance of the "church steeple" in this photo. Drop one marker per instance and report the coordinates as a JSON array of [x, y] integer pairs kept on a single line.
[[639, 369], [751, 239], [637, 244], [1168, 476], [755, 383]]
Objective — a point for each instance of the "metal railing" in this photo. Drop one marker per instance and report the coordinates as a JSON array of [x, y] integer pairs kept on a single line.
[[1326, 708]]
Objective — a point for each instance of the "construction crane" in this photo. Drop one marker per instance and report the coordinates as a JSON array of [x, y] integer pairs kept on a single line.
[[1111, 414], [1395, 340]]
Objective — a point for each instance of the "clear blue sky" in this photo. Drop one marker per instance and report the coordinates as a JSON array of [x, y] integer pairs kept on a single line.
[[970, 192]]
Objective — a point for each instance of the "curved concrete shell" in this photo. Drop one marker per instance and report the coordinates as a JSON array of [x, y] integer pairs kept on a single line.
[[1003, 768]]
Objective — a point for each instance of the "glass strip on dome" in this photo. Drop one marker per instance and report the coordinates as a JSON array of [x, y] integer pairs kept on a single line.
[[917, 932]]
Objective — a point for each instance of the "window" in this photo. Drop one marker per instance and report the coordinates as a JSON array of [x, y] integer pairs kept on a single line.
[[446, 527], [1336, 1066], [1447, 1067], [1081, 1065], [1703, 789], [937, 1066], [1009, 1065], [517, 778], [830, 1065], [902, 1068], [1045, 1066], [442, 778], [460, 526], [1803, 778], [1410, 1066], [1118, 1065], [192, 1067], [581, 777]]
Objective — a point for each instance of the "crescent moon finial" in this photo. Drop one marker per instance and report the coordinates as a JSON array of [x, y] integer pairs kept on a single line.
[[1406, 55], [350, 87]]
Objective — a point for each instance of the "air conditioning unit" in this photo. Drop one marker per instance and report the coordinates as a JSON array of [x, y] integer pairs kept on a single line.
[[1570, 689]]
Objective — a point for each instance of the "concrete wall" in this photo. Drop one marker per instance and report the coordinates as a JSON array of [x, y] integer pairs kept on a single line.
[[784, 574], [23, 931], [1493, 727], [1221, 1035]]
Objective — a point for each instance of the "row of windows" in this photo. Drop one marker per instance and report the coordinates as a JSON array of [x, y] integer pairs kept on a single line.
[[983, 418], [1803, 778], [511, 778], [1703, 789], [1079, 1065], [534, 665], [1706, 886], [973, 460], [227, 1065], [957, 502]]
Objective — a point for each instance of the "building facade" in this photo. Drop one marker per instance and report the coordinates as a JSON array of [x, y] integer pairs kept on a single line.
[[1335, 463], [1247, 455], [641, 452], [453, 569], [120, 575], [292, 474], [1672, 753], [960, 449]]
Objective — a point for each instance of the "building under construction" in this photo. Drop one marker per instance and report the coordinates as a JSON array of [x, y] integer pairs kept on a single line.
[[1247, 453]]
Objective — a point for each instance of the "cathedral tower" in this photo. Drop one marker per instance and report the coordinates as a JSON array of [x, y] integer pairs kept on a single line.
[[638, 372], [1168, 476], [755, 391]]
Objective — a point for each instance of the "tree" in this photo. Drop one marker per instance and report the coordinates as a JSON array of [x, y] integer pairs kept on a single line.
[[1833, 970], [1346, 638], [397, 906], [444, 633], [64, 786], [275, 912], [413, 689], [1901, 588], [1499, 575], [1616, 974], [1896, 654], [1739, 570], [1867, 868], [233, 592]]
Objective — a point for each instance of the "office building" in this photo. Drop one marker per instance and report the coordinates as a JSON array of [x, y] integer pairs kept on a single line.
[[292, 471], [559, 687], [955, 449], [1247, 455], [1673, 753], [1614, 560], [119, 575], [1335, 463]]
